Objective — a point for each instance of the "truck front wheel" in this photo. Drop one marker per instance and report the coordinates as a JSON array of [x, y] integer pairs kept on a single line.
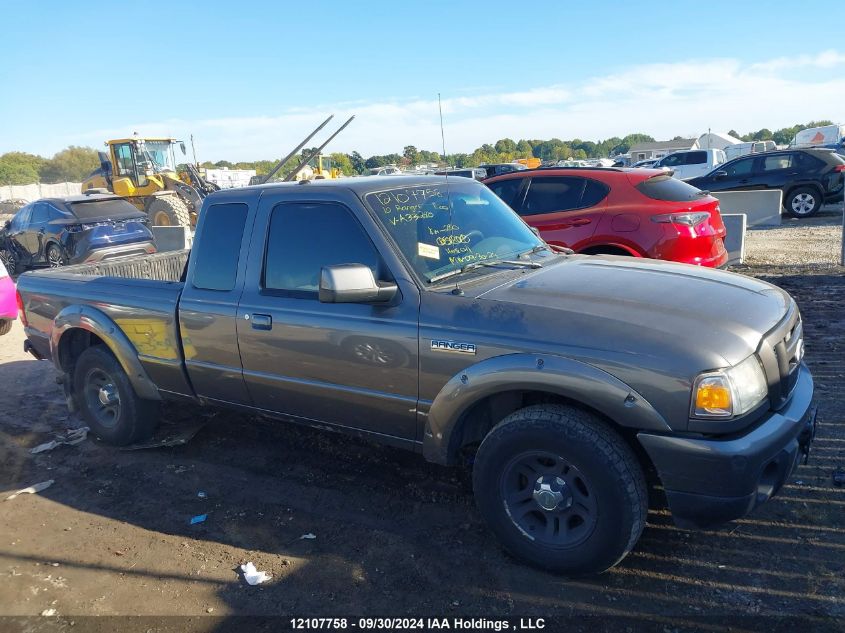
[[108, 402], [561, 489]]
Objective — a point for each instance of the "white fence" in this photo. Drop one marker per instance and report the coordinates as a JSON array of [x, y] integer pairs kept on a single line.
[[38, 190]]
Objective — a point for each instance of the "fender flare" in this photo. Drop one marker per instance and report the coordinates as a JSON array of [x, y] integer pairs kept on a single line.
[[97, 322], [558, 375]]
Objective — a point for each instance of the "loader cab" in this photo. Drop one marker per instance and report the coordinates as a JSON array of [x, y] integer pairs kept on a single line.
[[138, 164]]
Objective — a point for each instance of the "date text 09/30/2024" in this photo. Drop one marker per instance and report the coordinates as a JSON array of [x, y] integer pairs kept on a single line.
[[419, 624]]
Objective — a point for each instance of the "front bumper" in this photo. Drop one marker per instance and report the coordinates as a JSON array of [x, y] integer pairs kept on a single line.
[[711, 481]]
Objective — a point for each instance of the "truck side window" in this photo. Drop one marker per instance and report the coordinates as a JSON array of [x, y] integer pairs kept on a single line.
[[304, 237], [219, 246]]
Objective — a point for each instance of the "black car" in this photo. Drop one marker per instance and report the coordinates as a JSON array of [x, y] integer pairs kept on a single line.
[[85, 228], [807, 177]]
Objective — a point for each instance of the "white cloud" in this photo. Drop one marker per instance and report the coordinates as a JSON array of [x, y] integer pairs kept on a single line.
[[661, 99]]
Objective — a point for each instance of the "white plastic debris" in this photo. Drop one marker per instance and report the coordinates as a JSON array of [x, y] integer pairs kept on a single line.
[[48, 612], [308, 536], [71, 437], [31, 490], [253, 576]]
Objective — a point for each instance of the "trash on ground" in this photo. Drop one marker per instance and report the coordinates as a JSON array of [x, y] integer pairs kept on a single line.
[[71, 437], [182, 435], [253, 576], [839, 477], [308, 536], [49, 612], [31, 490], [202, 495], [200, 518]]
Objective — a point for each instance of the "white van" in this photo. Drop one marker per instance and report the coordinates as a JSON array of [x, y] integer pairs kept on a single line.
[[752, 147], [692, 163]]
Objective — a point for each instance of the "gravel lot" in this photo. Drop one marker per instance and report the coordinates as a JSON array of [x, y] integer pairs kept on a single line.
[[814, 242], [395, 536]]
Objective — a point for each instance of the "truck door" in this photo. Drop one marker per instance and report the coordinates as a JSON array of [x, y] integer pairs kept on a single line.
[[209, 302], [347, 364]]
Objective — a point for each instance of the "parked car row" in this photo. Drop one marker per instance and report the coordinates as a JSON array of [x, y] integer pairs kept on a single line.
[[808, 178], [85, 228]]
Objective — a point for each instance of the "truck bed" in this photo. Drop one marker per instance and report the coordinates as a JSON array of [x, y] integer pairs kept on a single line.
[[160, 267], [140, 295]]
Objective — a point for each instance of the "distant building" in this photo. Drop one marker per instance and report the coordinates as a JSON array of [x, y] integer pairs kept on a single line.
[[226, 178], [659, 149]]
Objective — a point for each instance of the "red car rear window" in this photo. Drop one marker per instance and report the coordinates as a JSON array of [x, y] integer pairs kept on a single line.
[[669, 188]]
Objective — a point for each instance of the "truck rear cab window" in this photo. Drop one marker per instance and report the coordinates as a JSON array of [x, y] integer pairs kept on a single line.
[[219, 246], [695, 158], [668, 188], [304, 237]]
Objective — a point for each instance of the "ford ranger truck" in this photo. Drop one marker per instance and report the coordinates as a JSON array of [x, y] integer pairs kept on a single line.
[[423, 313]]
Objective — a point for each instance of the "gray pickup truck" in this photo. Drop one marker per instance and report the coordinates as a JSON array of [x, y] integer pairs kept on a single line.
[[423, 313]]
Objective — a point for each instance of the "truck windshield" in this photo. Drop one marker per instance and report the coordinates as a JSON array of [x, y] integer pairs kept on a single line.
[[442, 228]]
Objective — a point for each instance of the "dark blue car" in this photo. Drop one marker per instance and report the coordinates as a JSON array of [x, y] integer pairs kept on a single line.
[[85, 228]]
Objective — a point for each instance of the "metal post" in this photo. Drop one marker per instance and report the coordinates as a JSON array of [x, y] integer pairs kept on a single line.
[[842, 243]]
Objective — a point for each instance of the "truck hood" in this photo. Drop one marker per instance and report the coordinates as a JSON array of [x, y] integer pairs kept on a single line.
[[643, 306]]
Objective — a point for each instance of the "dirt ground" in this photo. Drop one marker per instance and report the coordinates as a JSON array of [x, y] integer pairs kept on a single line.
[[395, 536]]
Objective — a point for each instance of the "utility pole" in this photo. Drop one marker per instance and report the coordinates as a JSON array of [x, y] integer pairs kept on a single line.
[[194, 151]]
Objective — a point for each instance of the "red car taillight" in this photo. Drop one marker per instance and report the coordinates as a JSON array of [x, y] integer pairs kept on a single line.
[[21, 313], [688, 218]]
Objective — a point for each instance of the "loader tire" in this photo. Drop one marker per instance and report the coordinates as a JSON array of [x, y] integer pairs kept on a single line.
[[169, 211]]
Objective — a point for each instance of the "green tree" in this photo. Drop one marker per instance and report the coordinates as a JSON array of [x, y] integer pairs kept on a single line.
[[72, 164], [524, 148], [343, 163], [410, 152], [20, 168], [505, 146], [357, 162]]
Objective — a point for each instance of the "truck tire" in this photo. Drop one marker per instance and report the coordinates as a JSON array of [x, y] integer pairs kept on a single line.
[[5, 326], [107, 401], [560, 489], [802, 202], [169, 211]]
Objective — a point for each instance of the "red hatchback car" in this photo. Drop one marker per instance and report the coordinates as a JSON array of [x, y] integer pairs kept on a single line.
[[639, 212]]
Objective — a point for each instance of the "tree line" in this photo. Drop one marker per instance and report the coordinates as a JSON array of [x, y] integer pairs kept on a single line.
[[74, 164]]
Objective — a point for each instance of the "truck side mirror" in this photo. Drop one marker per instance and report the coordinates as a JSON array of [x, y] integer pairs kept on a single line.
[[720, 174], [353, 283]]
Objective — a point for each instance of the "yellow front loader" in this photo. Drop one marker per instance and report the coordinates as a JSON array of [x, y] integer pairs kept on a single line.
[[144, 171]]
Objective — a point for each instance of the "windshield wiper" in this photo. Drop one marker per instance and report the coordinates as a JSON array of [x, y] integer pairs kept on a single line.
[[487, 264]]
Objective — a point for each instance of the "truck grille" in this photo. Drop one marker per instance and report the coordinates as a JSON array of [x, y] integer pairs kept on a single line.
[[782, 352]]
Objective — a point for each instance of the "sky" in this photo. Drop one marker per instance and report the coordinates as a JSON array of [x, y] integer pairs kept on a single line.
[[250, 80]]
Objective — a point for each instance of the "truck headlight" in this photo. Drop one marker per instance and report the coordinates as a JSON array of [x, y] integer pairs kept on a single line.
[[729, 392]]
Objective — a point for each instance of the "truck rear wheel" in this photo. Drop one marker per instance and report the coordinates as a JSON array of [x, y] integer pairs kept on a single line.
[[561, 489], [169, 211], [108, 402]]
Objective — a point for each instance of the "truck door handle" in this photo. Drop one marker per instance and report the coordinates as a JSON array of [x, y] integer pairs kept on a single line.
[[262, 322]]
